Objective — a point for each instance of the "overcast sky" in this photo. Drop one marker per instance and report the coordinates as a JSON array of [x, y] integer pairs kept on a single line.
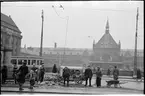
[[85, 19]]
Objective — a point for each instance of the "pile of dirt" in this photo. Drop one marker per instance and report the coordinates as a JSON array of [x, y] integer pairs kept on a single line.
[[52, 79]]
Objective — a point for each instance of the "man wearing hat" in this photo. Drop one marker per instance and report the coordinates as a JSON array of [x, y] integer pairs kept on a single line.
[[21, 73], [88, 75]]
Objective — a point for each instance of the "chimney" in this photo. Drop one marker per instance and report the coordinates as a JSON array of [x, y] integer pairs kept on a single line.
[[55, 45]]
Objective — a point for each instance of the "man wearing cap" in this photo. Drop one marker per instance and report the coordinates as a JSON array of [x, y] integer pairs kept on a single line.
[[88, 75]]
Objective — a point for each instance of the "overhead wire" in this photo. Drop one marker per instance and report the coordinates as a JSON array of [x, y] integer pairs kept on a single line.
[[67, 18], [79, 8], [57, 13]]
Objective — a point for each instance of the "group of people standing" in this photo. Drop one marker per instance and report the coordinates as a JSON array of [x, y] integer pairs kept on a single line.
[[115, 73], [34, 74], [89, 74]]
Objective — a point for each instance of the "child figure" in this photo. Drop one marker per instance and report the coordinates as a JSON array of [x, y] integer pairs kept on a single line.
[[32, 79]]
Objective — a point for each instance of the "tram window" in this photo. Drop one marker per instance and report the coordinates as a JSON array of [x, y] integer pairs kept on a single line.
[[25, 62], [14, 61], [19, 62], [33, 62], [37, 62], [40, 61], [28, 62]]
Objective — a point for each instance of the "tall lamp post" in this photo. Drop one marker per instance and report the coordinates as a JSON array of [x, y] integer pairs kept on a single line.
[[135, 51], [67, 19], [41, 44]]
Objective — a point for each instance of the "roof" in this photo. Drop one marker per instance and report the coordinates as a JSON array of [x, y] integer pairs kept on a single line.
[[72, 67], [8, 22], [108, 40], [105, 62]]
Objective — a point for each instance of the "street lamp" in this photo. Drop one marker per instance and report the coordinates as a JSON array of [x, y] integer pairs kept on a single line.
[[41, 34], [67, 19]]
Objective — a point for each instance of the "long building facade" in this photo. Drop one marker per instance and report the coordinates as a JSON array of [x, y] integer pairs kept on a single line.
[[10, 40]]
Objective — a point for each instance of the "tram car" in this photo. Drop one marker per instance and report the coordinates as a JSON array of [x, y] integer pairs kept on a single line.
[[29, 60]]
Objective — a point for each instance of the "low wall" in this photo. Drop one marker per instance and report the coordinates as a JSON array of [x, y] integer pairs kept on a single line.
[[121, 73], [48, 69]]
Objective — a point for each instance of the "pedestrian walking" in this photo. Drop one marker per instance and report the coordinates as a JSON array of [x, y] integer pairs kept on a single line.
[[21, 74], [15, 68], [108, 72], [32, 75], [35, 69], [41, 73], [66, 75], [98, 77], [4, 74], [138, 74], [88, 75], [115, 73]]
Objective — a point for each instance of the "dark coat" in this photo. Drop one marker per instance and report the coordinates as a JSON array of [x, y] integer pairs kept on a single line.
[[98, 73], [42, 70], [4, 72], [138, 74], [88, 73], [108, 72], [66, 72], [115, 74], [15, 71], [22, 72], [34, 69]]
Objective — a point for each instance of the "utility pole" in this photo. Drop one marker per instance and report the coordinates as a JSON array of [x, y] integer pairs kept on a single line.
[[41, 35], [64, 55], [135, 51]]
